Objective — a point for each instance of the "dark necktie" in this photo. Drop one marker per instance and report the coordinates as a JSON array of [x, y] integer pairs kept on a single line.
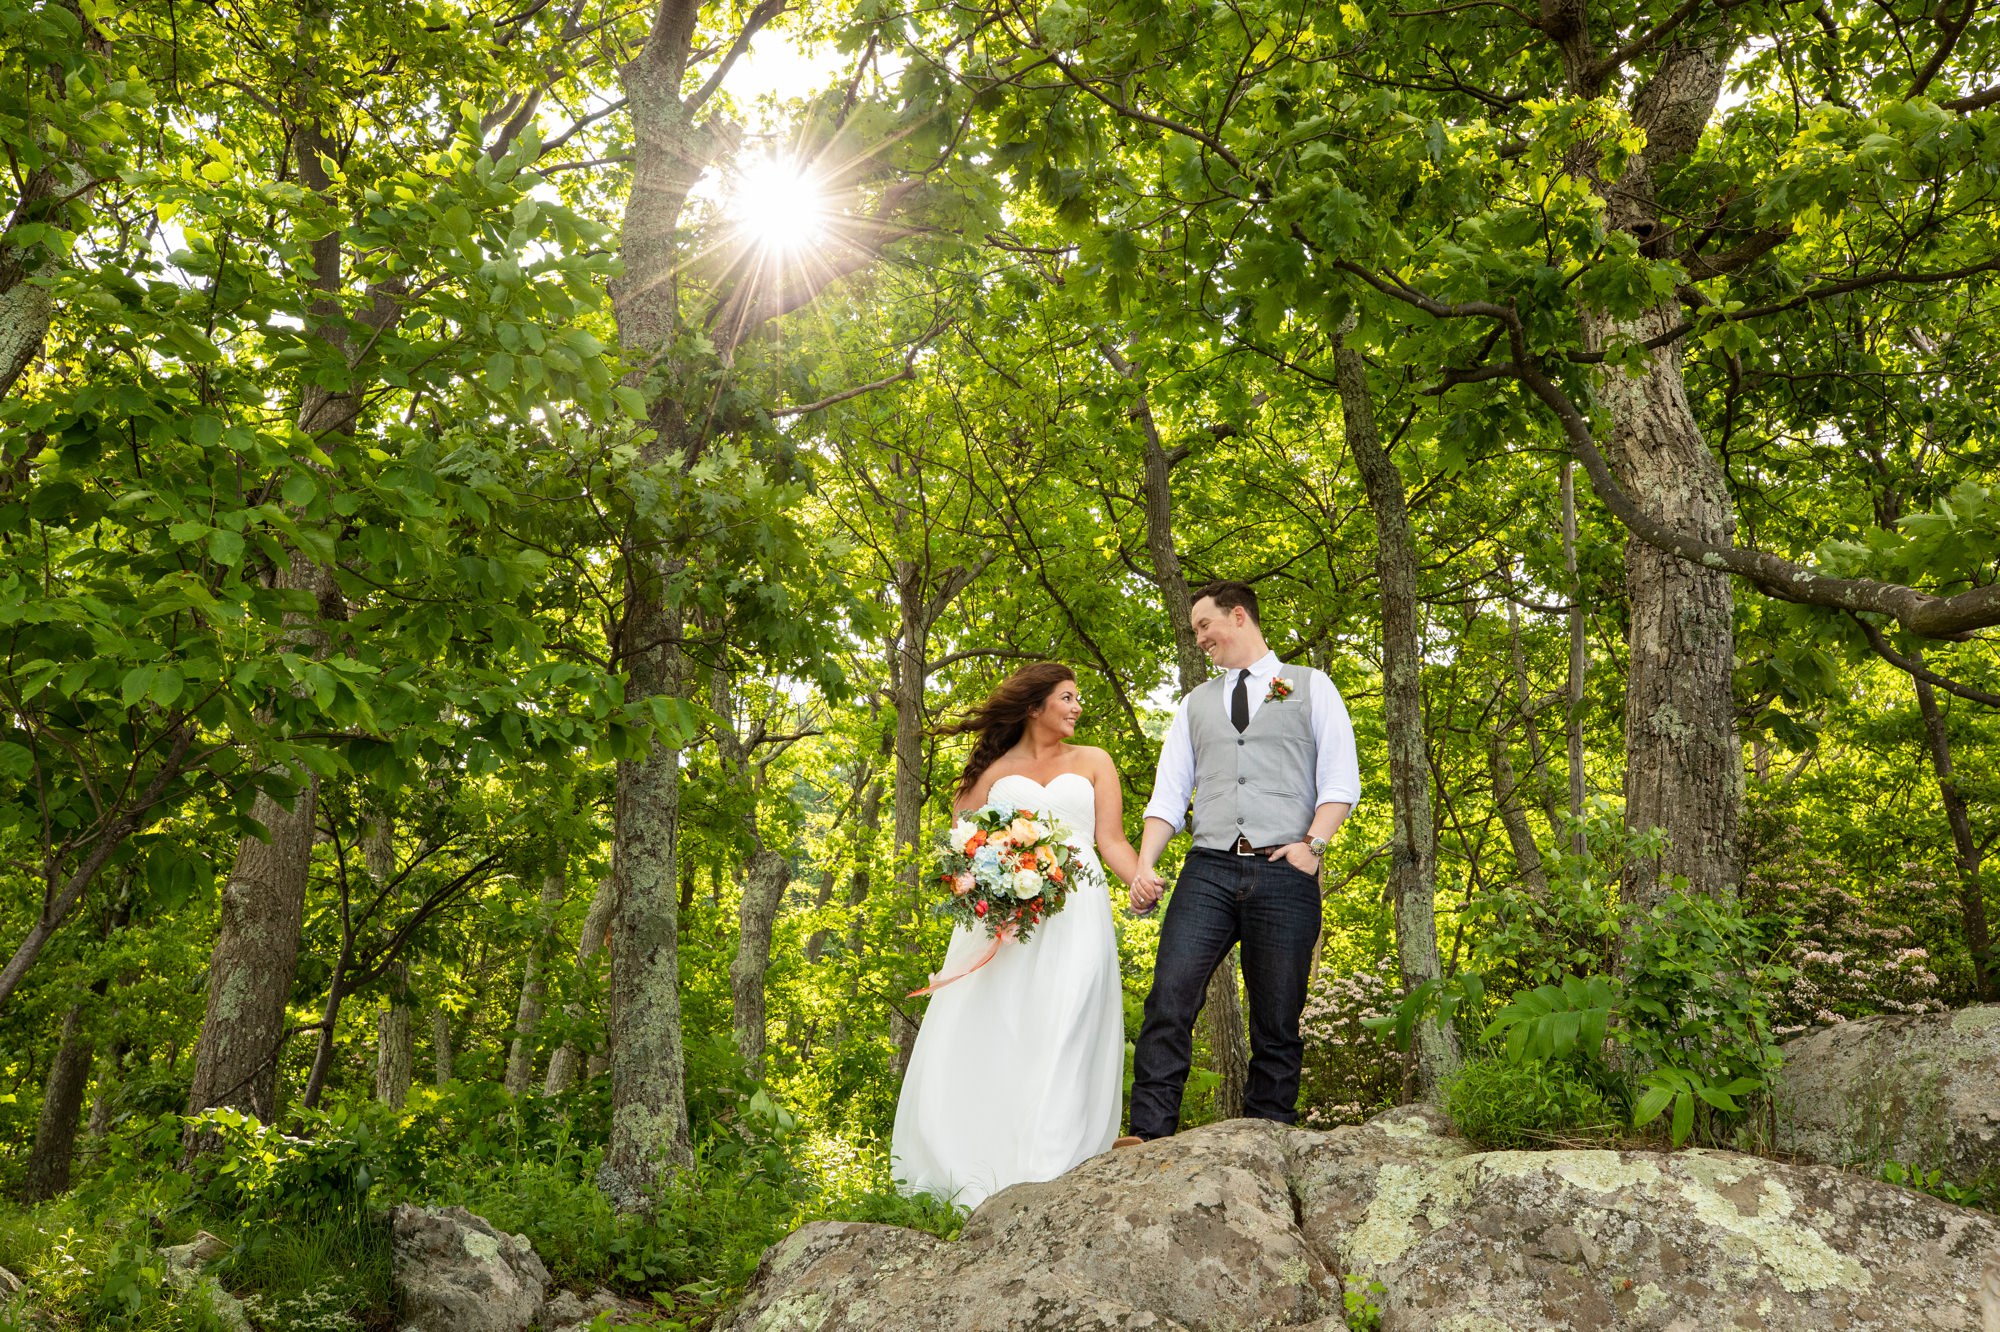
[[1239, 703]]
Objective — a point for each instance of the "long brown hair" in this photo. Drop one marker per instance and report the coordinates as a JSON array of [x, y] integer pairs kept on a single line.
[[1002, 719]]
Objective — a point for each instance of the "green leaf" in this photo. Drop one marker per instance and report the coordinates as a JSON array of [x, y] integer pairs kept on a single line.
[[1650, 1105], [137, 683], [1683, 1119]]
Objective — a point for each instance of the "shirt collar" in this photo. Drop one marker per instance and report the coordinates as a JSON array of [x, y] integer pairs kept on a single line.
[[1267, 664]]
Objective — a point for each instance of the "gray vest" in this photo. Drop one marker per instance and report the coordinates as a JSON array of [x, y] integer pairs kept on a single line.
[[1262, 784]]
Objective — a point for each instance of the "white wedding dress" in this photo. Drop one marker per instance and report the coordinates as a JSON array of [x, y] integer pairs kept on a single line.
[[1019, 1068]]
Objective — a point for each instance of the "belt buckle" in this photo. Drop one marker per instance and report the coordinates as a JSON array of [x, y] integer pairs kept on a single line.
[[1243, 847]]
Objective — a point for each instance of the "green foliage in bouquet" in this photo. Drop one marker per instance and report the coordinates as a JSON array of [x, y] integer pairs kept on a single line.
[[1008, 869]]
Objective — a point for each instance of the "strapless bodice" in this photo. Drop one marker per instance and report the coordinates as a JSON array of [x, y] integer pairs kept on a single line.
[[1071, 797]]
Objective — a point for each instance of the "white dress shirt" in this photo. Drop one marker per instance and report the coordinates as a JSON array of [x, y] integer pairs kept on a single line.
[[1337, 767]]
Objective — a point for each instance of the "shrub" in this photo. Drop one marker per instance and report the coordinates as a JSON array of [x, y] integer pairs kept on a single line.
[[1349, 1071], [1847, 957], [1498, 1102]]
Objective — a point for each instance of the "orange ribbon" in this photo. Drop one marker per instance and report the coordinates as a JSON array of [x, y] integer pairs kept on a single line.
[[939, 982]]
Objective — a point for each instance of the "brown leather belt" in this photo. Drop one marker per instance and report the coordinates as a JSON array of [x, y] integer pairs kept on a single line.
[[1243, 848]]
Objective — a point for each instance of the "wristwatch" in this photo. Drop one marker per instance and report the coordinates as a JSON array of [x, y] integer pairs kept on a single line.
[[1317, 845]]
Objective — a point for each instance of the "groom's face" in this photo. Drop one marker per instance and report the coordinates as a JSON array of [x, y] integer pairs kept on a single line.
[[1222, 634]]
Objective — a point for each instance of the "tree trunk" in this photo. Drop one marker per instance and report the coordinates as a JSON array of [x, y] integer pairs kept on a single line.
[[441, 1055], [528, 1015], [920, 603], [105, 1105], [256, 955], [770, 873], [649, 1128], [1683, 758], [1966, 854], [263, 903], [394, 1041], [1222, 1010], [1578, 661], [25, 270], [562, 1064], [329, 1024], [394, 1038], [1531, 726], [62, 1102], [1413, 866], [1514, 818]]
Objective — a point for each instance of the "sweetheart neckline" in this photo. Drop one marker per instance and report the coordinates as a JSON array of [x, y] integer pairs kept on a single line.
[[1044, 785]]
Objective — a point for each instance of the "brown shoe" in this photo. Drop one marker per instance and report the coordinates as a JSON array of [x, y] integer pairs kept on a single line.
[[1127, 1141]]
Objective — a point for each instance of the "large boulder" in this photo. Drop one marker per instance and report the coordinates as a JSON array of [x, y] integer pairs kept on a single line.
[[1254, 1225], [456, 1273], [1922, 1090]]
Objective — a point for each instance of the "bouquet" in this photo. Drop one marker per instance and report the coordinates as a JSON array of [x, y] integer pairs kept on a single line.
[[1007, 870]]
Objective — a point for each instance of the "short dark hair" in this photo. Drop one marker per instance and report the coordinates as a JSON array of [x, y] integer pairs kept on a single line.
[[1227, 596]]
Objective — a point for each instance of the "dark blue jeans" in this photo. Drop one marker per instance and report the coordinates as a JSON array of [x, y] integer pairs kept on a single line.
[[1273, 911]]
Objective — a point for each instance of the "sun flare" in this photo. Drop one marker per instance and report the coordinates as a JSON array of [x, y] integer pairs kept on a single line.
[[778, 204]]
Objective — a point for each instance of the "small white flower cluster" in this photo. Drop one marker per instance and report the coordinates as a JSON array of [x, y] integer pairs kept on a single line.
[[1349, 1071], [1847, 960]]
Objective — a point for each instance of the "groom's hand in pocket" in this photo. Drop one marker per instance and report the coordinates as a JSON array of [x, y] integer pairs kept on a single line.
[[1299, 856]]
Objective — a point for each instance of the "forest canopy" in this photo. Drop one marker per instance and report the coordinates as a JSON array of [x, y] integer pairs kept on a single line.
[[498, 500]]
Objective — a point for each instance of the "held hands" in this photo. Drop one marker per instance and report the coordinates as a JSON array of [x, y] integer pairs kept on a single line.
[[1145, 889], [1299, 856]]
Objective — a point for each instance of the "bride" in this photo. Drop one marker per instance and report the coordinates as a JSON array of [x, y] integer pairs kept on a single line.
[[1018, 1069]]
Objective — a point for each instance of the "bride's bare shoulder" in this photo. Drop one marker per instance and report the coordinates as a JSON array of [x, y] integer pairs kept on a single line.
[[1094, 763]]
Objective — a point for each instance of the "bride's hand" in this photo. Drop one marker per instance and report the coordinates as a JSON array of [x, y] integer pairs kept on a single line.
[[1145, 889]]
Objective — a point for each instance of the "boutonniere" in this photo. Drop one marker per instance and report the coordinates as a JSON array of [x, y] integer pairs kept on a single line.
[[1280, 688]]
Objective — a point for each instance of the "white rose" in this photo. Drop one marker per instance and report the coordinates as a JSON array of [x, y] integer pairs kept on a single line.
[[961, 833], [1027, 884]]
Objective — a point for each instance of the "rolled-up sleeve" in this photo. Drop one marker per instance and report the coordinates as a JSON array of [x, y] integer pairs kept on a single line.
[[1173, 780], [1339, 768]]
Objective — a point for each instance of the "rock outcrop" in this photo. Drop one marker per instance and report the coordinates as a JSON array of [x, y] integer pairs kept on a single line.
[[1254, 1225], [456, 1273], [1921, 1090]]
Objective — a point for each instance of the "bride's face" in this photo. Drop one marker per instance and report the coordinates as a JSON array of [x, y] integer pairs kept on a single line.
[[1061, 710]]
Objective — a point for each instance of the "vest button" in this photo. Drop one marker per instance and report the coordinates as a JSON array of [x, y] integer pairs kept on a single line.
[[1239, 740], [1241, 780], [1239, 823]]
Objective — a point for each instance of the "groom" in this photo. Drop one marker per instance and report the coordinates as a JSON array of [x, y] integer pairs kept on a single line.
[[1267, 753]]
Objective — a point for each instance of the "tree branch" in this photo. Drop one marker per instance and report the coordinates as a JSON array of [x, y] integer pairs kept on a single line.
[[1917, 670]]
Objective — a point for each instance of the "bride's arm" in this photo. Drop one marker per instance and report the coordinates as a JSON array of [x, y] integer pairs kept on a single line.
[[1116, 853]]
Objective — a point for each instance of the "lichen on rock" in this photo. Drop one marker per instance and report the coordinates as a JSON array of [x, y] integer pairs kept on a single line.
[[1254, 1225]]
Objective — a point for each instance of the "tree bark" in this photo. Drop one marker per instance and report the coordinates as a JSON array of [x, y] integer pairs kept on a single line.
[[649, 1128], [25, 300], [1513, 817], [394, 1037], [562, 1064], [105, 1103], [921, 601], [441, 1056], [1965, 847], [1413, 864], [1578, 661], [263, 907], [256, 955], [1684, 760], [528, 1014], [764, 884], [395, 1041], [1222, 1018], [62, 1102]]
